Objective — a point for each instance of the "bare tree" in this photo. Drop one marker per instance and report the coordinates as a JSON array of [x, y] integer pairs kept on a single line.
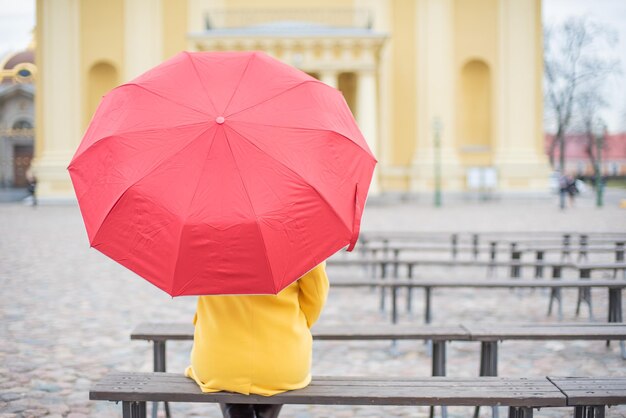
[[572, 61], [590, 100]]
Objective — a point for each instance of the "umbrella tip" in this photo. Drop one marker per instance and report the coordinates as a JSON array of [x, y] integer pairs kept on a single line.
[[220, 120]]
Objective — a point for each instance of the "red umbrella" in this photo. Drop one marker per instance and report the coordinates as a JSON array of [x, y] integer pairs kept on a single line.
[[222, 173]]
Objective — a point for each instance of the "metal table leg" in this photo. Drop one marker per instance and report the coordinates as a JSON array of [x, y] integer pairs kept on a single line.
[[133, 409], [555, 292], [409, 290], [394, 304], [427, 309], [615, 313], [596, 411], [584, 293], [383, 290], [489, 367], [439, 369], [159, 366], [520, 412]]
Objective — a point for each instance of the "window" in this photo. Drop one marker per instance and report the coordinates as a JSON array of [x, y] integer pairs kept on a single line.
[[22, 124]]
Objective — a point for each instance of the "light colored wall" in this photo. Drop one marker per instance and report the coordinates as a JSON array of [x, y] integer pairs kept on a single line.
[[101, 51], [59, 87], [475, 50], [404, 68], [101, 78], [175, 27], [475, 113]]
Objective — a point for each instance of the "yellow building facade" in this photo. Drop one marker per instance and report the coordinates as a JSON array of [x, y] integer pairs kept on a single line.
[[454, 84]]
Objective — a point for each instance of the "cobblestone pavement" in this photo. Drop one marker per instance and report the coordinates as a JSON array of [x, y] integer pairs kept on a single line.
[[66, 312]]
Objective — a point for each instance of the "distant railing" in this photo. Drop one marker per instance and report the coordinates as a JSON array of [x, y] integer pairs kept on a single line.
[[17, 132], [341, 18]]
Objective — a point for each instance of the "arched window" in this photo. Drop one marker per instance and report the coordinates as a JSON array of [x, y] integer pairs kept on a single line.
[[347, 84], [103, 77], [22, 124], [475, 108]]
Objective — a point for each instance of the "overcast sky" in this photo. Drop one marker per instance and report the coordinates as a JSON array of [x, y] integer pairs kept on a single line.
[[17, 19]]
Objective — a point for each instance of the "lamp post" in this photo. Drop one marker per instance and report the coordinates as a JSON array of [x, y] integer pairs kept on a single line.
[[437, 128], [599, 136]]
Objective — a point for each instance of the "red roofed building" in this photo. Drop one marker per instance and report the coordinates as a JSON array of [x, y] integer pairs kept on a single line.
[[578, 161]]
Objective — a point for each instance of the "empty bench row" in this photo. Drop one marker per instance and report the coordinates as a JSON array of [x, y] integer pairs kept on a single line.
[[584, 285], [487, 335]]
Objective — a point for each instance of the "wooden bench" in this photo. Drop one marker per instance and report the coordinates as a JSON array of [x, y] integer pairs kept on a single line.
[[159, 333], [614, 288], [487, 335], [390, 266], [520, 395], [587, 243], [590, 395]]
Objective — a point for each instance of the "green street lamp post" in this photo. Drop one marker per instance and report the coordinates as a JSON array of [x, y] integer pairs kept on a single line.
[[437, 128]]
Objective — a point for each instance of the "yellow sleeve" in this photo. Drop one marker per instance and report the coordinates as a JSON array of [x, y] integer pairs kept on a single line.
[[313, 292]]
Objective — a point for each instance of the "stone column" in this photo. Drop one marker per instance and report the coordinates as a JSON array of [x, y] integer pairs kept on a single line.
[[329, 77], [58, 100], [367, 114], [143, 26], [435, 92], [519, 155]]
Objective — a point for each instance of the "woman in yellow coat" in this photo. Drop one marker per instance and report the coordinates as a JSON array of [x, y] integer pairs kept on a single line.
[[257, 344]]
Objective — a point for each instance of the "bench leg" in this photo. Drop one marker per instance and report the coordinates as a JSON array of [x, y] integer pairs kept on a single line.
[[489, 358], [439, 358], [133, 409], [394, 305], [584, 295], [520, 412], [615, 314], [159, 366], [427, 308], [596, 411], [439, 369], [555, 294], [488, 367], [444, 412]]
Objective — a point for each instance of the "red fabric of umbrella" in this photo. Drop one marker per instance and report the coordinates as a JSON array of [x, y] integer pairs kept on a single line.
[[222, 173]]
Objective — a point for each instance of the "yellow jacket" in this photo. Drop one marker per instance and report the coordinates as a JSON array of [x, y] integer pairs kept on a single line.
[[257, 344]]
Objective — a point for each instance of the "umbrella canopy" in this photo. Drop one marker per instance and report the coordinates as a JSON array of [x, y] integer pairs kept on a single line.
[[222, 173]]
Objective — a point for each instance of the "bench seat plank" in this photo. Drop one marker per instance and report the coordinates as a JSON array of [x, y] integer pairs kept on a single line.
[[163, 331], [184, 331], [473, 332], [547, 332], [343, 262], [583, 391], [479, 283], [537, 392]]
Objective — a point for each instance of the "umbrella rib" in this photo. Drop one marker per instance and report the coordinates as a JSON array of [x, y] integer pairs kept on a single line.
[[162, 97], [239, 82], [299, 176], [181, 289], [140, 131], [273, 97], [143, 177], [206, 93], [256, 218], [309, 129]]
